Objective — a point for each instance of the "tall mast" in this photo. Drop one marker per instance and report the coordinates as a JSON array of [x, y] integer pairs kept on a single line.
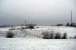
[[71, 17], [30, 20], [25, 21]]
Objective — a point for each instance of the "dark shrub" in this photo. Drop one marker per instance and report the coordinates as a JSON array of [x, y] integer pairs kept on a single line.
[[10, 35], [48, 35], [31, 27], [45, 35], [57, 36], [51, 36], [64, 36]]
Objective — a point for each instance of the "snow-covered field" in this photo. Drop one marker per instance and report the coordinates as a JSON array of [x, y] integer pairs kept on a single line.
[[37, 44], [30, 39]]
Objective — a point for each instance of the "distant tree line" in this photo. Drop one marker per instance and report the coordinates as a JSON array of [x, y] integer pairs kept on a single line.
[[72, 24], [68, 24]]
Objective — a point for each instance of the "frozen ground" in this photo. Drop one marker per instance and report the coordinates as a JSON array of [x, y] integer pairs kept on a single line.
[[36, 33], [28, 39], [37, 44]]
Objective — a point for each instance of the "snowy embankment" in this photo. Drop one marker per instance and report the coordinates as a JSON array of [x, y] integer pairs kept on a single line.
[[37, 32], [37, 44], [71, 31]]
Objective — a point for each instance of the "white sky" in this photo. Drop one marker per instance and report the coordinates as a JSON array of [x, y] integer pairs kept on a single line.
[[36, 11]]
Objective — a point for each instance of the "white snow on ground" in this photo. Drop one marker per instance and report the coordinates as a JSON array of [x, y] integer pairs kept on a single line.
[[4, 29], [37, 32], [3, 32], [37, 44], [32, 39]]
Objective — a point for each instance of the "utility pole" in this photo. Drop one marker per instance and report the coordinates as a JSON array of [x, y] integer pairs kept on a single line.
[[25, 20], [30, 20], [71, 18]]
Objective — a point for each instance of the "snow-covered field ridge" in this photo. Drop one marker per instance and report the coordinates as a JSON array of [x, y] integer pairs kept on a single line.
[[37, 31], [37, 44]]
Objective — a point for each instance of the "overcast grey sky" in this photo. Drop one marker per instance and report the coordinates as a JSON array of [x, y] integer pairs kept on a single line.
[[36, 11]]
